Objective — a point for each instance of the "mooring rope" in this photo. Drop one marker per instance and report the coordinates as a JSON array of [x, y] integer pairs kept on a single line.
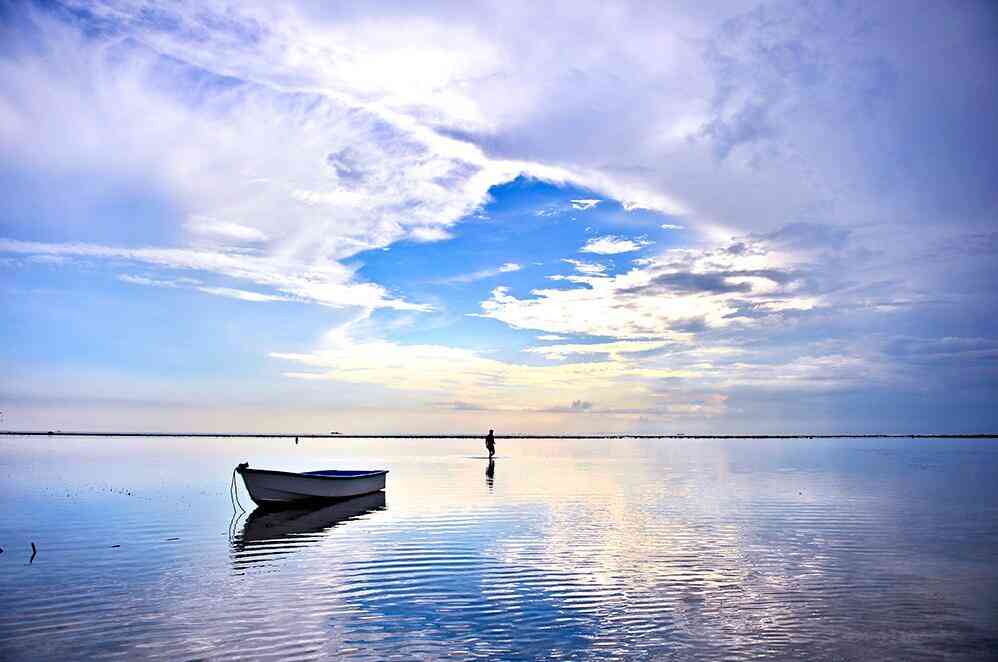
[[234, 500], [234, 494]]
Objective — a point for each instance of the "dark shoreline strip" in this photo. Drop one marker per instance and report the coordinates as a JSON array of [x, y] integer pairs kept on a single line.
[[242, 435]]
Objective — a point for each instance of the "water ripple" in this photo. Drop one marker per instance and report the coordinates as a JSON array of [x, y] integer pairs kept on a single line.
[[659, 550]]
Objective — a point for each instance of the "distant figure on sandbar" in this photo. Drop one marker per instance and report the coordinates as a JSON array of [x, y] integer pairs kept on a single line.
[[490, 444]]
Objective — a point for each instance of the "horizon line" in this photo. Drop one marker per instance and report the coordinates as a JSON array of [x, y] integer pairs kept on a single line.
[[340, 435]]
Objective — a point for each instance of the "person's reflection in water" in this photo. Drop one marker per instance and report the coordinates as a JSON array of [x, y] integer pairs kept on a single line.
[[490, 472]]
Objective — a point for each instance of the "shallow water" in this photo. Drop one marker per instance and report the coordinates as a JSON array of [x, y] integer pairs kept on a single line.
[[579, 549]]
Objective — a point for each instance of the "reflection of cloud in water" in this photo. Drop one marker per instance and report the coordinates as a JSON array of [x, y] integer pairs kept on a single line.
[[677, 555], [439, 590], [269, 533], [558, 570], [631, 549]]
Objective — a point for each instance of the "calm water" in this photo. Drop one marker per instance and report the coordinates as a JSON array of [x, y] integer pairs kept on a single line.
[[630, 549]]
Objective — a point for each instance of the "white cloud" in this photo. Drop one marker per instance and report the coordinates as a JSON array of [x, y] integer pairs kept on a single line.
[[242, 295], [670, 226], [202, 225], [585, 203], [587, 268], [327, 284], [667, 296], [194, 284], [312, 176], [612, 245], [690, 83], [633, 205], [354, 160], [615, 350], [446, 373], [151, 282], [428, 234], [47, 259], [506, 268]]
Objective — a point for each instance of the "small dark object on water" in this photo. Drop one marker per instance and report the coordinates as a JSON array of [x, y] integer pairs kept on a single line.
[[169, 539], [113, 546], [34, 551], [1, 550], [296, 441]]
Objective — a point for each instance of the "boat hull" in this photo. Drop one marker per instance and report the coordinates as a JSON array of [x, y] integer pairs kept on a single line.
[[275, 488]]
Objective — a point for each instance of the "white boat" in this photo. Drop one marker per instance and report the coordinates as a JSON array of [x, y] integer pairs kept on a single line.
[[268, 487]]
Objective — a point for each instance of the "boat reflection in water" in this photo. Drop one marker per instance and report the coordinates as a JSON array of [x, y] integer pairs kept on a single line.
[[269, 533]]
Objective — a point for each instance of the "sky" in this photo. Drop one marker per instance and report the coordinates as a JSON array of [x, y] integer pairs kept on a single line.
[[561, 217]]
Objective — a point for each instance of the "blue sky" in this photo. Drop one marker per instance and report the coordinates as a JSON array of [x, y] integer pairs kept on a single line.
[[736, 217]]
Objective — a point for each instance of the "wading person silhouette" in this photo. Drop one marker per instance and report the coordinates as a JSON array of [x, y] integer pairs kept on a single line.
[[490, 444]]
